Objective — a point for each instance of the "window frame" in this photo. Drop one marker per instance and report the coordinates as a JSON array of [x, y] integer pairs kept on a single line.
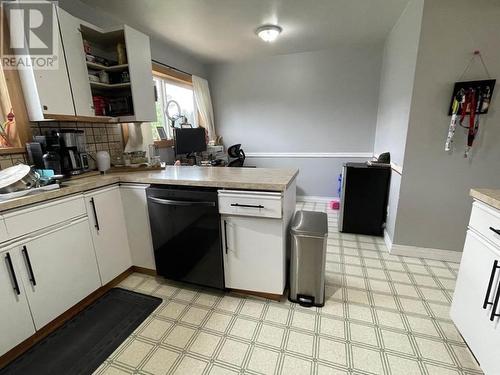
[[175, 77]]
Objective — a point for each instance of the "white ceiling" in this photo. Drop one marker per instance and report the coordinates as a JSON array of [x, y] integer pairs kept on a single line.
[[224, 30]]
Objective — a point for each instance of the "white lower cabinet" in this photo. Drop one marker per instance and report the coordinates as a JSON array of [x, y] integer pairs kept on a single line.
[[60, 270], [135, 208], [254, 258], [109, 232], [477, 288], [16, 324]]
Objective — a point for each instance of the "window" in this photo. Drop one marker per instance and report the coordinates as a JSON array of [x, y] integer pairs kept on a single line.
[[167, 90]]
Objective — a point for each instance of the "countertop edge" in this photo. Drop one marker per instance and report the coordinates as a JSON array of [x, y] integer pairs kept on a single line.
[[96, 183], [491, 197]]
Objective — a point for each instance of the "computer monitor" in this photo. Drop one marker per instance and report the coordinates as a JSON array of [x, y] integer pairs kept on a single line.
[[190, 140]]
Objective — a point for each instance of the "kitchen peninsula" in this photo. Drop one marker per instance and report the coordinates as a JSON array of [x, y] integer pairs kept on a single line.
[[64, 248], [267, 179]]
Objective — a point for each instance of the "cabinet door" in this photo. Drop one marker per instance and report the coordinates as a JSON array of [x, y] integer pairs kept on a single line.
[[254, 257], [109, 232], [473, 321], [141, 77], [16, 324], [77, 68], [46, 91], [64, 270], [135, 208]]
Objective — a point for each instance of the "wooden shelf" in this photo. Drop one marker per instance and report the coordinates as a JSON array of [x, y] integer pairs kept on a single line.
[[109, 86], [112, 68], [69, 118], [12, 150]]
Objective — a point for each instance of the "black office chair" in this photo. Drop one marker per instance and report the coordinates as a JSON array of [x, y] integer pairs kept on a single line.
[[237, 154]]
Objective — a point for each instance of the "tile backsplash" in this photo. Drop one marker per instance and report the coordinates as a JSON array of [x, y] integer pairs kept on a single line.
[[99, 137], [11, 159]]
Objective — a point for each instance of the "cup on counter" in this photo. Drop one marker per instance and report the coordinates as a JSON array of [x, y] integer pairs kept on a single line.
[[103, 161]]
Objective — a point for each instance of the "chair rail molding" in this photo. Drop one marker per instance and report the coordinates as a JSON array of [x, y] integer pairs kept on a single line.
[[309, 155]]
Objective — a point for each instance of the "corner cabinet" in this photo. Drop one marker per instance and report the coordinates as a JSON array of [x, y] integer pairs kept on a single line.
[[68, 93], [109, 232], [135, 208], [59, 270], [475, 309], [42, 276]]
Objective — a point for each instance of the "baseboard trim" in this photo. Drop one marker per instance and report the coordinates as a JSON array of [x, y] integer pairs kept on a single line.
[[309, 155], [421, 252], [387, 240], [144, 270], [313, 198]]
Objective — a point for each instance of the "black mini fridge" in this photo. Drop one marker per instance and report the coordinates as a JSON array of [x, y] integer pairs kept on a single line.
[[364, 197]]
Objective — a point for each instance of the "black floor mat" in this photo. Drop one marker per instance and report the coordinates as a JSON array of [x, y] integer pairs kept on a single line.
[[84, 342]]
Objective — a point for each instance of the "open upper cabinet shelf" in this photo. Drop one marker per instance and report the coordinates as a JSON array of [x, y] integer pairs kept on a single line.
[[109, 86], [112, 68], [125, 95]]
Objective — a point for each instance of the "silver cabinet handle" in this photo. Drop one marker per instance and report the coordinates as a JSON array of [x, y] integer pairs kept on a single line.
[[169, 202]]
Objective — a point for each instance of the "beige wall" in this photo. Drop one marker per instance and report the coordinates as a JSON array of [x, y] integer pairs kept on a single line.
[[396, 91], [434, 203]]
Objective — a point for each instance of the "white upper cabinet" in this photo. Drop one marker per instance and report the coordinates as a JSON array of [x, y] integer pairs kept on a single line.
[[47, 91], [141, 76], [109, 67], [75, 58]]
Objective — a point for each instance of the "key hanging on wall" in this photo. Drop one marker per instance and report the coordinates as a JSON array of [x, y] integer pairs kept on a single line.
[[469, 99]]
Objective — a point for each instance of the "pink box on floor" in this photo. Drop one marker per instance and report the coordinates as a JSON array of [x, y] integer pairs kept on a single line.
[[335, 204]]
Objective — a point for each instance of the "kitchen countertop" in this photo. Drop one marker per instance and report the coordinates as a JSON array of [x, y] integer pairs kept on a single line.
[[224, 178], [489, 196]]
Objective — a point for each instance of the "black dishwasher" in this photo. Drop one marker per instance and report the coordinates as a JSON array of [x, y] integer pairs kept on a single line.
[[185, 226]]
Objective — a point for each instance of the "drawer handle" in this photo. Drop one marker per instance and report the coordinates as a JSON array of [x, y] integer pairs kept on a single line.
[[497, 231], [28, 263], [490, 284], [246, 205], [13, 274], [169, 202]]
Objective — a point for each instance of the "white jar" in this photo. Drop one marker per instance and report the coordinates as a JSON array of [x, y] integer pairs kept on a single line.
[[103, 161]]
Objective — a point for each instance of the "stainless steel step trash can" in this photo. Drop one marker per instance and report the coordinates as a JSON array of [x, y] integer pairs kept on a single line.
[[309, 232]]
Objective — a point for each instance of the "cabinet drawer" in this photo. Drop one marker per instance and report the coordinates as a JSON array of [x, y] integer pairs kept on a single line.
[[250, 203], [3, 231], [37, 217], [483, 218]]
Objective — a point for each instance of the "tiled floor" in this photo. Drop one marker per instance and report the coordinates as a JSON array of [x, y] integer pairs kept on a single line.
[[385, 314]]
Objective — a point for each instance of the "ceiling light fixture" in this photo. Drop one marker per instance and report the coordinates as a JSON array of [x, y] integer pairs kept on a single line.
[[269, 33]]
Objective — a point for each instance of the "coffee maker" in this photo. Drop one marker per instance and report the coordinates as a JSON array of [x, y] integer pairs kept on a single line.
[[73, 151], [64, 151]]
